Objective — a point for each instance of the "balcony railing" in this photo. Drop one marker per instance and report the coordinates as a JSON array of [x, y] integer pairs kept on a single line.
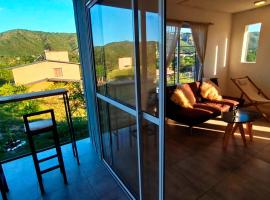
[[13, 141]]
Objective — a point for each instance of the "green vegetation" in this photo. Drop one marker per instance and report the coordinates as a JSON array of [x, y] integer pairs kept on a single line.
[[22, 46], [252, 46], [5, 76], [27, 43], [19, 47], [109, 54], [121, 74], [11, 123], [251, 56], [187, 61]]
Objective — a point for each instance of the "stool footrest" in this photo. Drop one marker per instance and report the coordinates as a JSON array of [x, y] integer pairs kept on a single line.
[[47, 158], [49, 169]]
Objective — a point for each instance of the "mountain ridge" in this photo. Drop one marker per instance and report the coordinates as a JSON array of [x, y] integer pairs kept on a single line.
[[22, 42]]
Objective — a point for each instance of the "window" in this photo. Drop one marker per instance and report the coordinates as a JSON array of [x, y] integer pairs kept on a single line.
[[58, 72], [182, 68], [251, 43]]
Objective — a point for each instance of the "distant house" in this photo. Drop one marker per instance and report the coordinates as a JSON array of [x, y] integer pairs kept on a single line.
[[125, 63], [54, 68]]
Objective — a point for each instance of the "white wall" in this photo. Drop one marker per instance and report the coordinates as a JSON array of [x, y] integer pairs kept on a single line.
[[217, 35], [259, 71]]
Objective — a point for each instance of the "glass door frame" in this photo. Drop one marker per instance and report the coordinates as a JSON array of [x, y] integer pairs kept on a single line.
[[83, 24]]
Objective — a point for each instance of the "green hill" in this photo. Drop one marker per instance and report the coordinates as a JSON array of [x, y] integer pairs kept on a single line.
[[115, 50], [26, 43], [23, 46]]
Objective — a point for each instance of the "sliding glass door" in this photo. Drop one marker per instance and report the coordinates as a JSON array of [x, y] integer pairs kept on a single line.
[[112, 34], [127, 49]]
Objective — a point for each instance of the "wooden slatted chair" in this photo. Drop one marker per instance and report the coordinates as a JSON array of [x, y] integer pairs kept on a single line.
[[253, 94]]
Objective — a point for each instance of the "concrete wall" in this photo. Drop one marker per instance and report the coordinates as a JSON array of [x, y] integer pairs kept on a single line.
[[57, 55], [217, 36], [259, 71], [42, 70]]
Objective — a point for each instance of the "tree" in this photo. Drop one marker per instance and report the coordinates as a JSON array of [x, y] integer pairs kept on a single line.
[[19, 108], [76, 97], [5, 76]]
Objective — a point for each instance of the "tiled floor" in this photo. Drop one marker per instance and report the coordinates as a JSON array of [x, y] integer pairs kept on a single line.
[[91, 180], [198, 168]]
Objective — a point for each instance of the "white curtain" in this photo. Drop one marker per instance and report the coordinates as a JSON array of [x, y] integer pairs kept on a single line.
[[172, 35], [199, 34]]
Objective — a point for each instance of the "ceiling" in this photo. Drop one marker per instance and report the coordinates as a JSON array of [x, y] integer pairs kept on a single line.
[[230, 6]]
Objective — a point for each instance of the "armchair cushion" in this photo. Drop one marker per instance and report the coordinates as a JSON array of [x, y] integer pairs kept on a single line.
[[179, 98], [210, 91]]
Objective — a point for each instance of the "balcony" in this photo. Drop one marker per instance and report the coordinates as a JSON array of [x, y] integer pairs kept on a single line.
[[89, 180]]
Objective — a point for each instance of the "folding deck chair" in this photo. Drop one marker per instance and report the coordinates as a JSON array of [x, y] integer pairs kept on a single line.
[[252, 92]]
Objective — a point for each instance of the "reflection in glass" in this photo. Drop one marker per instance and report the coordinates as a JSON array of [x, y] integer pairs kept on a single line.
[[112, 33], [119, 135], [149, 54], [150, 159], [105, 131]]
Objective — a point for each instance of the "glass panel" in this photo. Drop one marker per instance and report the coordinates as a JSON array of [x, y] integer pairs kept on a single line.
[[187, 56], [112, 32], [124, 148], [253, 41], [105, 130], [119, 136], [149, 48], [150, 159], [185, 60]]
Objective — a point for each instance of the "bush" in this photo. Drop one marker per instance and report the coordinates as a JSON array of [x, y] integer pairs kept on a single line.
[[18, 108], [76, 97], [121, 74]]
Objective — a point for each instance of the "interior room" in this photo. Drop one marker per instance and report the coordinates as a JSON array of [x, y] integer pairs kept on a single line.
[[200, 162], [183, 119], [169, 99]]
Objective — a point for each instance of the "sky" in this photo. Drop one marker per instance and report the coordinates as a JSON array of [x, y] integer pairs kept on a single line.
[[254, 27], [38, 15], [117, 25], [58, 16]]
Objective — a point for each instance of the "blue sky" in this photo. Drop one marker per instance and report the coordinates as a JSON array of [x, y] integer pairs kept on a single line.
[[254, 27], [58, 16], [41, 15], [117, 25]]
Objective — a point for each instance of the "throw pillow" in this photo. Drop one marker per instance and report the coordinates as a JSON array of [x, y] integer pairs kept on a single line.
[[210, 90], [188, 93], [179, 98]]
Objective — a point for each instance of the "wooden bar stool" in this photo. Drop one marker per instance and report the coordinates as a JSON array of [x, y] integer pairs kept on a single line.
[[36, 128]]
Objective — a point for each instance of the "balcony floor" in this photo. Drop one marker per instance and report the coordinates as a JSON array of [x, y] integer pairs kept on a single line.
[[90, 180]]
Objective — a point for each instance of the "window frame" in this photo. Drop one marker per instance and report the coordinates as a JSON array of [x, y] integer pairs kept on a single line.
[[58, 72], [177, 57], [244, 50]]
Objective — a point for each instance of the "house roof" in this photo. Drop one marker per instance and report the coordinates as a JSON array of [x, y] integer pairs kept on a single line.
[[42, 61], [53, 80]]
